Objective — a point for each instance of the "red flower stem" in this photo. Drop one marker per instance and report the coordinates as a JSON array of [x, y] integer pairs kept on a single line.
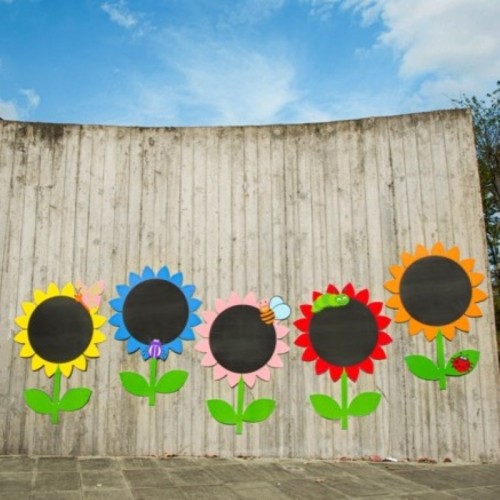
[[344, 383], [240, 402], [56, 392], [441, 360], [152, 380]]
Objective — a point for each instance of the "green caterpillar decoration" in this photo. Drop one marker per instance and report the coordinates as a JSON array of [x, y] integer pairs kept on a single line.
[[330, 300]]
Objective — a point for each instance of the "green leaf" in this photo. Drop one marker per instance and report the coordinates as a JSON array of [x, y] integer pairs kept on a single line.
[[462, 362], [38, 401], [422, 367], [75, 399], [222, 411], [364, 404], [326, 407], [259, 410], [171, 381], [135, 384]]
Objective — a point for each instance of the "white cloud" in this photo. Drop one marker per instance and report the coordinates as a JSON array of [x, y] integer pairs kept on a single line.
[[120, 14], [8, 110], [32, 97], [12, 110]]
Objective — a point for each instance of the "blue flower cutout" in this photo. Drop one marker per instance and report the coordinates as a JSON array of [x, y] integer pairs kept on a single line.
[[153, 310]]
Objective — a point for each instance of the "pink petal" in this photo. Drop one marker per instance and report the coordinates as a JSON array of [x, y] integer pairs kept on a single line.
[[281, 347], [234, 299], [251, 300], [220, 305], [275, 361], [202, 346], [209, 316], [219, 372], [208, 360], [281, 331], [233, 378], [203, 330], [264, 373], [250, 379]]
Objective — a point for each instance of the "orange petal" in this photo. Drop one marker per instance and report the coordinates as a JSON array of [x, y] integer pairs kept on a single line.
[[454, 254], [478, 295], [415, 326], [476, 278], [421, 251], [438, 249], [392, 286], [394, 302], [401, 316], [448, 331], [474, 311], [467, 264], [430, 332], [397, 271], [462, 324], [407, 259]]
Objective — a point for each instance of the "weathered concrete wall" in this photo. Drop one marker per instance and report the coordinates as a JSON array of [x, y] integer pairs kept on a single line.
[[273, 209]]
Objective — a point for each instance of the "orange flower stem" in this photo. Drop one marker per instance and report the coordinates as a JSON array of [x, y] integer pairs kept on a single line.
[[344, 386], [441, 360], [56, 392], [240, 402]]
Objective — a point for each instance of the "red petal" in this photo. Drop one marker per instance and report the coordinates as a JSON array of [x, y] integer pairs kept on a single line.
[[353, 372], [363, 296], [309, 354], [376, 307], [305, 309], [349, 290], [302, 324], [378, 353], [367, 365], [316, 295], [383, 338], [303, 340], [383, 321], [321, 366], [335, 372], [332, 289]]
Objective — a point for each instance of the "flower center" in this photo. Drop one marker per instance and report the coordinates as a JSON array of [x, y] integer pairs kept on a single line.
[[155, 309], [240, 341], [344, 336], [435, 290], [60, 329]]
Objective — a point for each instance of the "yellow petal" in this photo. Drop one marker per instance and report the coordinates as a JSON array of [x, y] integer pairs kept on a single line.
[[98, 321], [467, 264], [476, 278], [50, 368], [392, 286], [473, 311], [438, 249], [92, 351], [394, 302], [478, 295], [80, 363], [66, 369], [68, 290], [52, 290], [98, 337], [22, 321], [39, 296], [397, 271], [454, 254], [21, 337], [28, 308], [462, 324], [37, 362], [26, 351]]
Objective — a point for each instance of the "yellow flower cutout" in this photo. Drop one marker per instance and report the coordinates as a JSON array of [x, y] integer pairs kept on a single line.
[[435, 291], [59, 331]]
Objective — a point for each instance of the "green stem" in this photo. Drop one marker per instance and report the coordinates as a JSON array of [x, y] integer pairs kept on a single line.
[[153, 364], [240, 402], [441, 360], [344, 399], [56, 392]]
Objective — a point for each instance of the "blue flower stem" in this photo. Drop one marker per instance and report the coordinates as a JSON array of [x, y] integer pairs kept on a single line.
[[441, 360], [240, 402], [344, 399], [56, 392], [153, 362]]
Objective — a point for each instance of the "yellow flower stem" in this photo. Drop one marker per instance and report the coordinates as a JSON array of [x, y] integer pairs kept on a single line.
[[441, 360], [344, 386], [240, 402], [56, 392], [153, 362]]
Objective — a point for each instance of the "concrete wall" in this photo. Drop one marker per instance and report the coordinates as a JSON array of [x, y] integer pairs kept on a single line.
[[275, 210]]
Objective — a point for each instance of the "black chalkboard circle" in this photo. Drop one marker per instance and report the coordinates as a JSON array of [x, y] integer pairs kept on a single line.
[[240, 341], [344, 336], [435, 290], [155, 309], [60, 329]]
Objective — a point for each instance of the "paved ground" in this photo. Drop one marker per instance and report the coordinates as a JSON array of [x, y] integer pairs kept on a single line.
[[58, 478]]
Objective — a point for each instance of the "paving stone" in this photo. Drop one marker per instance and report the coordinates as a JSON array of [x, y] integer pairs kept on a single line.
[[57, 481], [98, 464], [234, 473], [56, 495], [301, 489], [177, 462], [435, 495], [17, 464], [148, 478], [218, 492], [108, 495], [257, 489], [19, 495], [58, 464], [195, 476], [103, 479], [491, 493], [270, 471], [138, 463], [15, 481], [158, 494]]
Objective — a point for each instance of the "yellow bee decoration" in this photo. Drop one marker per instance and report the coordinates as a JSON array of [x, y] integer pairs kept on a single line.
[[275, 309]]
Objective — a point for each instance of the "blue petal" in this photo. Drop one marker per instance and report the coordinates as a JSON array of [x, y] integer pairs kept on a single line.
[[116, 319], [187, 334], [176, 279], [176, 346], [194, 304], [122, 334], [134, 279], [122, 290], [133, 345], [148, 273], [194, 320], [117, 304], [188, 290], [164, 352], [164, 273], [145, 353]]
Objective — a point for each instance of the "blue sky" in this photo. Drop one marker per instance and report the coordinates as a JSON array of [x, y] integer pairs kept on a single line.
[[239, 62]]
